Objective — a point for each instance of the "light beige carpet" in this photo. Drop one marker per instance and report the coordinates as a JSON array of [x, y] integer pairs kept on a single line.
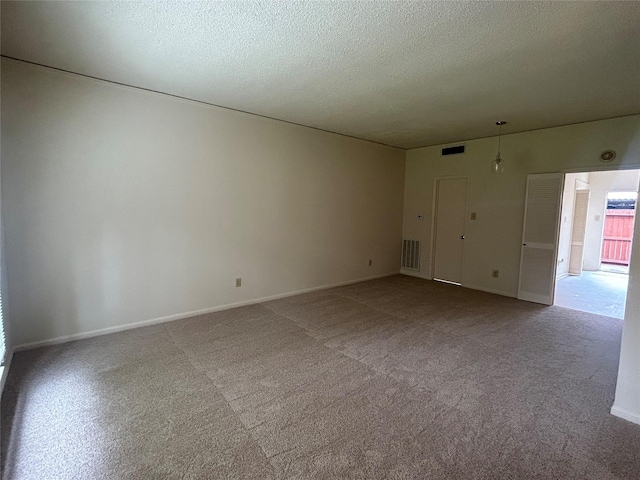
[[393, 378]]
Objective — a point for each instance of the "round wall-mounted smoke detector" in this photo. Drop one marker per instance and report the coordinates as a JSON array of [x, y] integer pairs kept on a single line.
[[607, 156]]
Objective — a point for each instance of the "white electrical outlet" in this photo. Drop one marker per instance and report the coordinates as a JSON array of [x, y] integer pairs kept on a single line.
[[238, 282]]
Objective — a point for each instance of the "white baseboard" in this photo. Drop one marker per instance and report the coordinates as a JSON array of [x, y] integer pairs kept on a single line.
[[489, 290], [625, 414], [179, 316]]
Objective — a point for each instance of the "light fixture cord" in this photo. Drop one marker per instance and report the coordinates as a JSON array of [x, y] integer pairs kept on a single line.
[[499, 135]]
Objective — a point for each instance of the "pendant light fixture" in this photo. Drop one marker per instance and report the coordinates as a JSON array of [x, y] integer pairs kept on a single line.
[[497, 165]]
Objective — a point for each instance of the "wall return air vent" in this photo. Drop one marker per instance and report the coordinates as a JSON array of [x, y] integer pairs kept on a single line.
[[411, 254], [455, 150]]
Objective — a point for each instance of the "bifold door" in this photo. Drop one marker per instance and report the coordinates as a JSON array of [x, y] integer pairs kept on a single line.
[[540, 237]]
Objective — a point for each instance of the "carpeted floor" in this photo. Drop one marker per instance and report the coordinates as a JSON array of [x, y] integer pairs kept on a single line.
[[393, 378]]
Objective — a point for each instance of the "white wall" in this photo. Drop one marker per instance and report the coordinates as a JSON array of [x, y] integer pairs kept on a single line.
[[627, 402], [600, 183], [3, 290], [566, 223], [494, 239], [123, 205]]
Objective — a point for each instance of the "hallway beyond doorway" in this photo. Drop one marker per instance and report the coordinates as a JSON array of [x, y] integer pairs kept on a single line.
[[599, 292]]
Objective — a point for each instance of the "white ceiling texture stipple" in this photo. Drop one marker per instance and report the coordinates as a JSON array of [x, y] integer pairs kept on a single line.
[[406, 74]]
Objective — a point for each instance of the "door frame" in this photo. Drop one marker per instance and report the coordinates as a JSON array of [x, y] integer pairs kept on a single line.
[[576, 187], [601, 168], [434, 223]]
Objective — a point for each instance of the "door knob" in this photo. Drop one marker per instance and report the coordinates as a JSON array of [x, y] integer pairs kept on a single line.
[[461, 237]]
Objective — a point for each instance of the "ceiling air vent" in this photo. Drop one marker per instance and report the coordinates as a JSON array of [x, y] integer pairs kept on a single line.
[[457, 150]]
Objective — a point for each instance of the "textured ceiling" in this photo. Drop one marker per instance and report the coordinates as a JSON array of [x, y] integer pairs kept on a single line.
[[406, 74]]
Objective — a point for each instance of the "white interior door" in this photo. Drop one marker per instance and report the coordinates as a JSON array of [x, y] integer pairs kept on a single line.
[[578, 231], [540, 237], [451, 213]]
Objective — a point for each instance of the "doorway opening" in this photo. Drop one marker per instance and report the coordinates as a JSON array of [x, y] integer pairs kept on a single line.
[[596, 235]]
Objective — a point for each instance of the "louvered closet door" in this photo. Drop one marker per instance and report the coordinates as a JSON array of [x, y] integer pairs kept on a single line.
[[578, 231], [540, 237]]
